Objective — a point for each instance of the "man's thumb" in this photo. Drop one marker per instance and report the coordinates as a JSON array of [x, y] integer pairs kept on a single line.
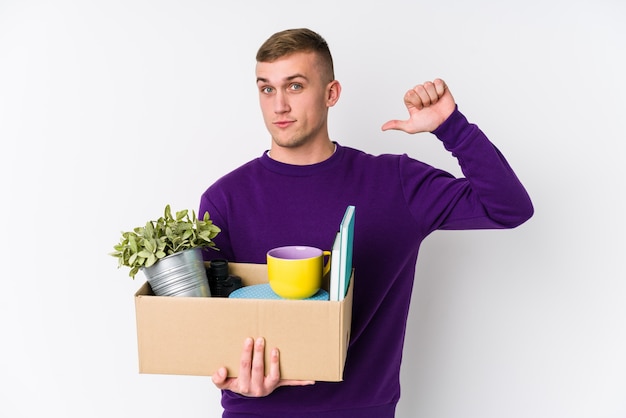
[[392, 124]]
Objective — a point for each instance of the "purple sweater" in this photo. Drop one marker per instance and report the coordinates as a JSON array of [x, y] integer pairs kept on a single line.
[[399, 201]]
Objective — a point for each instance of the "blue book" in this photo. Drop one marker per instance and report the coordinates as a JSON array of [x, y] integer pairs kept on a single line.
[[335, 266], [346, 232]]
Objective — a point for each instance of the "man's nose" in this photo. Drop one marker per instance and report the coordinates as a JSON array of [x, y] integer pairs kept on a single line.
[[281, 104]]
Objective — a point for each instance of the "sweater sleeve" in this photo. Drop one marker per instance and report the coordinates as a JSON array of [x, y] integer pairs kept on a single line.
[[490, 196], [222, 240]]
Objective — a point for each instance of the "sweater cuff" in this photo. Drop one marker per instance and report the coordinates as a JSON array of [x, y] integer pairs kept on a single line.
[[452, 129]]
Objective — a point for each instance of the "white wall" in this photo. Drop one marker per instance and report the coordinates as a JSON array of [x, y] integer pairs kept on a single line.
[[111, 109]]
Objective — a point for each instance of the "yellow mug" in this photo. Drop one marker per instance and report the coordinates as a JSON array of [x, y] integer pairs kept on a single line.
[[296, 271]]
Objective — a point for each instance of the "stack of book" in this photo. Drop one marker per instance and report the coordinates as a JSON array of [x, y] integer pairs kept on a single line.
[[341, 257]]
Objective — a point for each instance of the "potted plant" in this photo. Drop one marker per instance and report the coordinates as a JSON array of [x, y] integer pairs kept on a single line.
[[169, 252]]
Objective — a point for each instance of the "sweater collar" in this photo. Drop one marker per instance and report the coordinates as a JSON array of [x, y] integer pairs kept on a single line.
[[301, 170]]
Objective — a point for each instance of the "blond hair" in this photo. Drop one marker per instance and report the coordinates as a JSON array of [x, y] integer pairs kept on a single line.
[[290, 41]]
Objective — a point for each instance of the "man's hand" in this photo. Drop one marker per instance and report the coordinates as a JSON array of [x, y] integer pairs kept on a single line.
[[252, 380], [429, 105]]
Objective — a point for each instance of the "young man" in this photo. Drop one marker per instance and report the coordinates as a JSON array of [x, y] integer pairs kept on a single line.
[[297, 192]]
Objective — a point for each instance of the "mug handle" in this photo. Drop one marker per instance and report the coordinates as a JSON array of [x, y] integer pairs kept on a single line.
[[326, 269]]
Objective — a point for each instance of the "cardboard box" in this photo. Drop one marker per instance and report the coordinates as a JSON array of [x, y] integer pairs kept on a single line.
[[196, 335]]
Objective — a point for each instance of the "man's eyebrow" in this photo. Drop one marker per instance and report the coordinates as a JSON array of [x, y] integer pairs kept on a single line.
[[290, 78]]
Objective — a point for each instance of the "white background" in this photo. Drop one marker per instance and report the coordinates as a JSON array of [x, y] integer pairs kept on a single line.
[[109, 110]]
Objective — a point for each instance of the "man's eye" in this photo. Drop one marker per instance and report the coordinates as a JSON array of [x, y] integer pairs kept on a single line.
[[266, 90], [296, 86]]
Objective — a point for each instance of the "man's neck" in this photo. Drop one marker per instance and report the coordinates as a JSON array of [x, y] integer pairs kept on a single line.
[[302, 155]]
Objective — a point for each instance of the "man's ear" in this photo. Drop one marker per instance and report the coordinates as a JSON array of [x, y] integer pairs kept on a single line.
[[333, 91]]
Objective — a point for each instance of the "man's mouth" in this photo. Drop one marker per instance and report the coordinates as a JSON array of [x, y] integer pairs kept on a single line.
[[283, 123]]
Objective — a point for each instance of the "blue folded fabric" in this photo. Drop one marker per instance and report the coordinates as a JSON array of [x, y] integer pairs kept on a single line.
[[264, 291]]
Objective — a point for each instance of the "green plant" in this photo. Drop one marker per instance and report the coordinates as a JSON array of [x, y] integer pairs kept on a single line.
[[144, 246]]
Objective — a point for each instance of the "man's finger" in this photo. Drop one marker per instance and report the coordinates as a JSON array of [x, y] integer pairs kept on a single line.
[[413, 99], [423, 97], [258, 364], [273, 376], [431, 91], [245, 366], [219, 377], [440, 86]]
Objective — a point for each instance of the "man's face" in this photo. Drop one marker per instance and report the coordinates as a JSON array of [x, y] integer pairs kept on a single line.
[[294, 99]]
